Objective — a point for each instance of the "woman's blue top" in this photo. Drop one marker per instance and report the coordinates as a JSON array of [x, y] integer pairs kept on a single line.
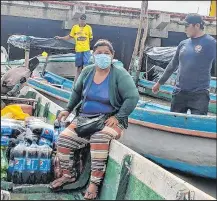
[[97, 100]]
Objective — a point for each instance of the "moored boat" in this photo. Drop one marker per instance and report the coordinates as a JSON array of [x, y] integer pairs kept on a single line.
[[182, 142], [63, 61], [165, 92], [129, 176], [60, 59]]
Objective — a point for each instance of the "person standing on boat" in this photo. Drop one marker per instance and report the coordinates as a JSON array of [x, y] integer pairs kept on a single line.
[[82, 33], [105, 92], [194, 59]]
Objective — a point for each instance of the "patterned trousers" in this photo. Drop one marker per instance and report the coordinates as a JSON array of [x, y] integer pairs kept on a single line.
[[68, 143]]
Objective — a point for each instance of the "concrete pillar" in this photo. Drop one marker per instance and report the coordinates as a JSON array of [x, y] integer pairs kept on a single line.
[[159, 28], [157, 33], [154, 42], [162, 21]]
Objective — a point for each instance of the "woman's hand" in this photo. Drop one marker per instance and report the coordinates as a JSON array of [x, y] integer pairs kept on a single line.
[[63, 115], [111, 122]]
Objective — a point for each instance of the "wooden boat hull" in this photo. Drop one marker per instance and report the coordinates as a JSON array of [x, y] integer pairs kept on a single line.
[[182, 142], [165, 92], [186, 153], [129, 176], [57, 95]]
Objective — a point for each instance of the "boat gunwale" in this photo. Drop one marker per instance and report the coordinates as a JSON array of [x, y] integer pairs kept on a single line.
[[174, 130], [48, 93], [174, 183], [178, 114], [138, 107], [55, 75], [169, 86], [48, 84]]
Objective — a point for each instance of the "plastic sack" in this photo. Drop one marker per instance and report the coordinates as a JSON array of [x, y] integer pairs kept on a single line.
[[12, 121], [11, 127], [15, 111], [160, 55], [33, 120]]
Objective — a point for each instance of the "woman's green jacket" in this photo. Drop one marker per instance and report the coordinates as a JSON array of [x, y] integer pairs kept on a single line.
[[123, 93]]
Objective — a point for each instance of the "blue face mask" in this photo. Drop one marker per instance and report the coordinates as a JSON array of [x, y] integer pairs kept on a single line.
[[102, 61]]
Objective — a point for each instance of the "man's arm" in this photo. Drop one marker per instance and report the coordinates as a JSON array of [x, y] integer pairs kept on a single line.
[[214, 67], [68, 37], [90, 34], [171, 68]]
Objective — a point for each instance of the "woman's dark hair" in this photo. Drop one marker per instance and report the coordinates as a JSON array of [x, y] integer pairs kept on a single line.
[[103, 42]]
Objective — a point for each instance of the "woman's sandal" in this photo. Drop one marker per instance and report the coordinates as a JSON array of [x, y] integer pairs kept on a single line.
[[65, 179], [90, 194]]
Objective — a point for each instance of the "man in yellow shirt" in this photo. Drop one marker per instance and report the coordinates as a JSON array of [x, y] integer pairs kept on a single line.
[[82, 33]]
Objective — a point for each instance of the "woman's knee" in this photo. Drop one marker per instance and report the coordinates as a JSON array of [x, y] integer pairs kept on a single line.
[[69, 131], [107, 134]]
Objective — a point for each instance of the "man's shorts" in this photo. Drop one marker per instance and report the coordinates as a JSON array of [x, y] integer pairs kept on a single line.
[[82, 58]]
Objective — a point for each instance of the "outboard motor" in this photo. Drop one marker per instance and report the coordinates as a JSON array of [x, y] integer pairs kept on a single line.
[[13, 80]]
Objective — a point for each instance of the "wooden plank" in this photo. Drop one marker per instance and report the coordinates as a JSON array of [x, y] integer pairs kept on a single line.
[[142, 45], [136, 47], [18, 99]]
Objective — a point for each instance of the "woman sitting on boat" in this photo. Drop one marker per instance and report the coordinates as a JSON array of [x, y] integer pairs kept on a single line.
[[103, 96]]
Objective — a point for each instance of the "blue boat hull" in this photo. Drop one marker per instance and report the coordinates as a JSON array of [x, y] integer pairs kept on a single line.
[[198, 170], [178, 151], [161, 115]]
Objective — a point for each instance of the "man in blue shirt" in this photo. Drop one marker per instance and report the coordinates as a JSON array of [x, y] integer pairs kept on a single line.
[[194, 59]]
